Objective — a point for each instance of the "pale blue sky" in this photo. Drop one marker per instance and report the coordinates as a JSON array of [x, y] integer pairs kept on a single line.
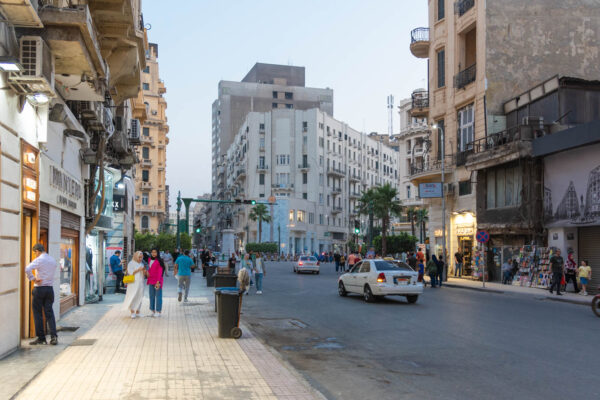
[[358, 48]]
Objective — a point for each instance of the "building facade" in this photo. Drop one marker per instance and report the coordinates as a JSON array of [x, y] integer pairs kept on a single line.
[[314, 167], [150, 177]]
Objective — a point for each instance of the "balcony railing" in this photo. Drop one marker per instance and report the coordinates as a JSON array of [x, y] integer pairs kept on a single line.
[[419, 35], [304, 166], [420, 99], [421, 167], [508, 136], [462, 6], [335, 171], [336, 190], [464, 77], [336, 209], [262, 167]]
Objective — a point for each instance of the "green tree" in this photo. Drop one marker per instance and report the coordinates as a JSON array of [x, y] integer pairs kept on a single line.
[[185, 241], [384, 204], [266, 247], [411, 214], [144, 241], [402, 242], [259, 213], [422, 218]]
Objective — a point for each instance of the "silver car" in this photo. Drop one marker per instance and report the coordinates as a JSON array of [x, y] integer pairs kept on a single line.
[[306, 264]]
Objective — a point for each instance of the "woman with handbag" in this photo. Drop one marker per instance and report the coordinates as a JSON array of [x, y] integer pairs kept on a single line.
[[135, 285], [155, 281]]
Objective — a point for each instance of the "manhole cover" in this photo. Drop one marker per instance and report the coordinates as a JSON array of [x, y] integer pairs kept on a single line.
[[83, 342], [67, 328]]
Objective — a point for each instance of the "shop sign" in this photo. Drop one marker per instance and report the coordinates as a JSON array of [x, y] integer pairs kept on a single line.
[[59, 188], [438, 233], [430, 190], [465, 231]]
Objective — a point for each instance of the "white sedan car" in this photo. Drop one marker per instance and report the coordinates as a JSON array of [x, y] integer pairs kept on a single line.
[[377, 278], [307, 264]]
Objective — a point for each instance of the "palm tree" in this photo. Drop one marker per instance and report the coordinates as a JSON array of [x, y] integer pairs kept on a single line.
[[385, 205], [422, 218], [411, 214], [259, 213]]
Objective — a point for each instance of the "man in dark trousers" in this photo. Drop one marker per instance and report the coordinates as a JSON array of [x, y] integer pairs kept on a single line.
[[43, 293], [117, 269], [458, 259], [412, 260], [557, 264]]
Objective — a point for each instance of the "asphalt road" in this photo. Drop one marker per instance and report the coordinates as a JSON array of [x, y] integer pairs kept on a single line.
[[452, 344]]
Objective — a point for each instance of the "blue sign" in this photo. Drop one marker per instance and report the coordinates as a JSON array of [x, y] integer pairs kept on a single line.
[[430, 190], [482, 236]]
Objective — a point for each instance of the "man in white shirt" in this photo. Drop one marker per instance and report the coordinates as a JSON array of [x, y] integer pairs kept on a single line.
[[43, 293]]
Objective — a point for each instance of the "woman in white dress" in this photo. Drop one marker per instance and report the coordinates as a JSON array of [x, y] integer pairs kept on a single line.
[[135, 290]]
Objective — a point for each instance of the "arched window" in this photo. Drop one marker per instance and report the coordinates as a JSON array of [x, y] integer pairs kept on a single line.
[[145, 222]]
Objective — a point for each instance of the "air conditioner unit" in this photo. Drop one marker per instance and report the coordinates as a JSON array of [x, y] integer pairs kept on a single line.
[[134, 133], [38, 68]]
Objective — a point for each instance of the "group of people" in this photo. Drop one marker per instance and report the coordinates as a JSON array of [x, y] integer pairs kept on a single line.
[[422, 263], [254, 264], [341, 260], [564, 272]]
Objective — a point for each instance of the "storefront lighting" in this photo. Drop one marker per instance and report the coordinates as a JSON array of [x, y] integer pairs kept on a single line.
[[10, 64], [30, 195], [30, 183], [30, 158]]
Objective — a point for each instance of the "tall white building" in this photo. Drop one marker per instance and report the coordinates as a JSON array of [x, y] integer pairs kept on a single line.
[[315, 166]]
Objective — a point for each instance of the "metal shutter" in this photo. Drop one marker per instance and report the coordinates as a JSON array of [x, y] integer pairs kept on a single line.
[[44, 215], [589, 239], [70, 221]]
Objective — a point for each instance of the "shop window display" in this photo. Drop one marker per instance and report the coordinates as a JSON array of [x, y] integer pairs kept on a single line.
[[67, 252]]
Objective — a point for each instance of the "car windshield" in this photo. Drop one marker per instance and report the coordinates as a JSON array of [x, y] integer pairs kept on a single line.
[[390, 266], [306, 258]]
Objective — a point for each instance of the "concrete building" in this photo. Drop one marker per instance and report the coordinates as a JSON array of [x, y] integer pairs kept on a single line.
[[265, 87], [150, 179], [483, 54], [65, 121], [314, 166]]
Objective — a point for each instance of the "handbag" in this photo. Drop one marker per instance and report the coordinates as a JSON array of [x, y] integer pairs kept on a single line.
[[128, 279]]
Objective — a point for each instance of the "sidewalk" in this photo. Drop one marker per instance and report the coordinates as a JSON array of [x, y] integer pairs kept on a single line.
[[176, 356], [493, 287]]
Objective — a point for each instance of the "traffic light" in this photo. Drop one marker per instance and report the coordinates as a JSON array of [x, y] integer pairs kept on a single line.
[[197, 226], [356, 226], [240, 201]]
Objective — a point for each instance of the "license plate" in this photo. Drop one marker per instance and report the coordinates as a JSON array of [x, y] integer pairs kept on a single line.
[[401, 280]]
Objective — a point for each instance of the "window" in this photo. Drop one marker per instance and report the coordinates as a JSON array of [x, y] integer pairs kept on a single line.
[[261, 179], [304, 178], [145, 175], [274, 105], [441, 68], [147, 69], [304, 126], [305, 196], [365, 267], [408, 192], [146, 131], [464, 188], [283, 159], [311, 218], [504, 187], [441, 126], [321, 179], [289, 106], [145, 153], [321, 199], [274, 94], [261, 195], [261, 127], [146, 86], [144, 199], [321, 161], [466, 127], [261, 161], [441, 9], [289, 95], [145, 222], [291, 218], [301, 216], [321, 142], [320, 219]]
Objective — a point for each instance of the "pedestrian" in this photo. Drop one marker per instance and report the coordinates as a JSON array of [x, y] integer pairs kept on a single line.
[[41, 271], [135, 289], [342, 263], [183, 270], [351, 261], [458, 260], [557, 263], [155, 281], [571, 272], [205, 257], [117, 269], [231, 263], [420, 256], [585, 276], [432, 266], [336, 257], [259, 272], [440, 270], [421, 273], [507, 272], [411, 260]]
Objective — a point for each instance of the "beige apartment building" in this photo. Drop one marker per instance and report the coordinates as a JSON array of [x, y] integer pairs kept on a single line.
[[150, 179], [482, 55]]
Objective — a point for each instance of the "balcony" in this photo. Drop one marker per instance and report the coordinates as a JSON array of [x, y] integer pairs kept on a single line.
[[419, 42], [338, 173], [303, 166], [421, 171], [285, 187], [464, 77], [262, 168], [462, 6], [240, 173], [21, 13], [420, 103], [146, 163], [354, 178], [336, 209], [354, 195], [146, 139], [146, 186], [261, 148], [336, 191]]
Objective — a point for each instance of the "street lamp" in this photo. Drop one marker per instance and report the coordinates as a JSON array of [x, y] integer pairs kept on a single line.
[[436, 126]]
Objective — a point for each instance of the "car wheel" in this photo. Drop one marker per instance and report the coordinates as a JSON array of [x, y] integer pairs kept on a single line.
[[412, 299], [342, 289], [368, 295], [318, 272]]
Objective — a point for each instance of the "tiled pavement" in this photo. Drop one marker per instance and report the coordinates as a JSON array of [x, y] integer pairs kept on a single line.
[[176, 356]]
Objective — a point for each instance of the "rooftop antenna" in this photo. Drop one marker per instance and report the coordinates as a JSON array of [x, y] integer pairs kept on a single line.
[[390, 106]]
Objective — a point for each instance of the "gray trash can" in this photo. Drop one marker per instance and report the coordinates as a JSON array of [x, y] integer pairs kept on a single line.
[[225, 280], [223, 289], [228, 314], [210, 278]]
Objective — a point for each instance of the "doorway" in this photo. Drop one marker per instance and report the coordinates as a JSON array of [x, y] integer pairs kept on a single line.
[[29, 239], [465, 245]]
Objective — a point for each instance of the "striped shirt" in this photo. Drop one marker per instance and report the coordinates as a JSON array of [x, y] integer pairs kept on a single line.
[[45, 267]]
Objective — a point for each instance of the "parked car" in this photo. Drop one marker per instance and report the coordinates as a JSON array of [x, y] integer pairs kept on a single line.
[[377, 278], [307, 264]]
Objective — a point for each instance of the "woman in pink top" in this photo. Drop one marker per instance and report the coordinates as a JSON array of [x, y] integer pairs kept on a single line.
[[156, 274]]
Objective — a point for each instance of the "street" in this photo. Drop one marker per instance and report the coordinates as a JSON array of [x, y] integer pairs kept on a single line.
[[452, 344]]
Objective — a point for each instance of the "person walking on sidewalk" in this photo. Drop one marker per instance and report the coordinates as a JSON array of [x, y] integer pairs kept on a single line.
[[342, 263], [156, 274], [117, 270], [585, 276], [43, 293], [183, 272], [432, 268], [571, 273], [458, 260], [440, 270], [336, 257], [259, 272], [135, 290], [557, 263]]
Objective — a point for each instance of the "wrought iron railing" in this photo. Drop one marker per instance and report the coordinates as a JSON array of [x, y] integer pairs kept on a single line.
[[466, 76], [462, 6], [508, 136], [419, 35], [420, 99]]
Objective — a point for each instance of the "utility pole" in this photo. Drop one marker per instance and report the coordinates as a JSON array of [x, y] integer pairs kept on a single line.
[[370, 239], [178, 242], [443, 197]]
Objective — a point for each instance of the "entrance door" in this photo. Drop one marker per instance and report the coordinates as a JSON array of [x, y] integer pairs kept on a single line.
[[69, 269], [29, 238], [466, 248], [588, 238]]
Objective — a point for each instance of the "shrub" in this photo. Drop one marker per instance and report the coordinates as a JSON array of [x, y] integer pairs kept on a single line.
[[264, 247]]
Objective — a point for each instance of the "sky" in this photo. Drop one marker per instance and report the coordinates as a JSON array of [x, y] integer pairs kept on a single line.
[[358, 48]]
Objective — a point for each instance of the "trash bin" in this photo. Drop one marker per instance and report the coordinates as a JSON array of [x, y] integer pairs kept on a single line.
[[223, 289], [210, 272], [225, 280], [228, 315]]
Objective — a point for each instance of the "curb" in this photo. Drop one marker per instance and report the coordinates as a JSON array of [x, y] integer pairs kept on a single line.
[[453, 285], [578, 302]]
